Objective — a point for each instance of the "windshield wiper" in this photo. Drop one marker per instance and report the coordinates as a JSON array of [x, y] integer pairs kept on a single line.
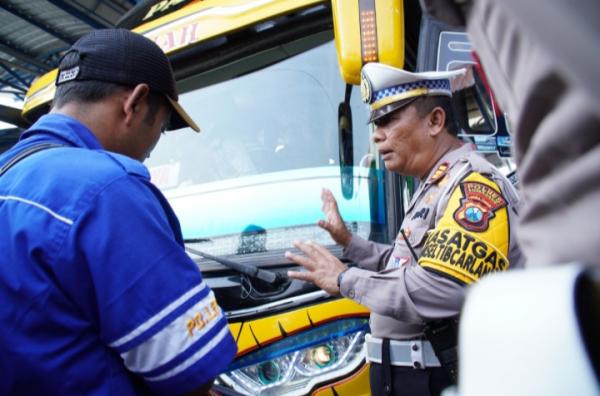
[[271, 277]]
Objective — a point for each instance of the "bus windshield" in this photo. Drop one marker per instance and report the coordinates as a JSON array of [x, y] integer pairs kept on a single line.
[[251, 180]]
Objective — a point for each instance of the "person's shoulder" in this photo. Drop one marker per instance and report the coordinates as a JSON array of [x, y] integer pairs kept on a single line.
[[479, 169], [94, 165], [128, 165], [479, 163]]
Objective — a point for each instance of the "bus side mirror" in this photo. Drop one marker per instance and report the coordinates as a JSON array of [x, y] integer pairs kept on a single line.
[[346, 148]]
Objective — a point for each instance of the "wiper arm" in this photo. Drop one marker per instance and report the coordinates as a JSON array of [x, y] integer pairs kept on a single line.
[[272, 277]]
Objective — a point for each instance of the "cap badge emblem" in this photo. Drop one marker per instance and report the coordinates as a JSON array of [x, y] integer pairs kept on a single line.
[[365, 89]]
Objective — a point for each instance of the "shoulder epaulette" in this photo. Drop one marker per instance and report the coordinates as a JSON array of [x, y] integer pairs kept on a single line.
[[439, 173]]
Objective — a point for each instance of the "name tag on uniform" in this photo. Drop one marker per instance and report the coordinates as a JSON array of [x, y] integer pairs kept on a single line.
[[400, 261]]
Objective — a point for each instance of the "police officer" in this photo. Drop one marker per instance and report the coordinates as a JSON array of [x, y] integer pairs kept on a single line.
[[98, 295], [456, 230]]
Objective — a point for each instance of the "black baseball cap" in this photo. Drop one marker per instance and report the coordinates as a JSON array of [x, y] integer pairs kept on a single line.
[[123, 57]]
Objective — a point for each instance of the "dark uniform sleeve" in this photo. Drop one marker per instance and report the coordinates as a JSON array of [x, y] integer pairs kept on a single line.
[[154, 308], [552, 100]]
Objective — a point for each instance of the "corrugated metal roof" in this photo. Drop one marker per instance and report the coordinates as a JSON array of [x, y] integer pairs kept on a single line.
[[33, 34]]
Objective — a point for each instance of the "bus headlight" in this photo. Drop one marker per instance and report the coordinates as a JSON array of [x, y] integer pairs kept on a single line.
[[294, 365]]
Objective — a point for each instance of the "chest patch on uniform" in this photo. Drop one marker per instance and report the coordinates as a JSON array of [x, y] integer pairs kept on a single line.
[[421, 214], [400, 261], [439, 173], [478, 204]]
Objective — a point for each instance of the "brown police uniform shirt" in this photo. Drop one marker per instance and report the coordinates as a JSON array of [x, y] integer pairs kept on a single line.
[[459, 224]]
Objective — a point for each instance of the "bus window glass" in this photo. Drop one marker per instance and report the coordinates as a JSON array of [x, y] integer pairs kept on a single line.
[[251, 180]]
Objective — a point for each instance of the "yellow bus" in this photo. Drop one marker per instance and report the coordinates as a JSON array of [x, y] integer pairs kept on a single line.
[[270, 83]]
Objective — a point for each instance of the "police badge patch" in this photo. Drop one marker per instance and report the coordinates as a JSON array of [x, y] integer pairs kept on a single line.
[[478, 204]]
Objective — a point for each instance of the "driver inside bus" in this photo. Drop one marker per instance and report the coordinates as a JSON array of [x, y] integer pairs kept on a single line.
[[455, 231]]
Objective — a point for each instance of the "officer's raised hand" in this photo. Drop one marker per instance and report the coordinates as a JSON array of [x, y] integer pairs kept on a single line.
[[333, 223], [322, 267]]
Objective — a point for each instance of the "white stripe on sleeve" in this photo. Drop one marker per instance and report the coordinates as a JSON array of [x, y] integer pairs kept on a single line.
[[37, 205], [156, 318], [194, 358], [174, 338]]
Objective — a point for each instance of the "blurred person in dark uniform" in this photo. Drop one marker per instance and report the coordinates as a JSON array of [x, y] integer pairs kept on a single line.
[[541, 58]]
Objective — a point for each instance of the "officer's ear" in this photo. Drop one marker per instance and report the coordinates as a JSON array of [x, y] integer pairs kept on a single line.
[[436, 119], [134, 99]]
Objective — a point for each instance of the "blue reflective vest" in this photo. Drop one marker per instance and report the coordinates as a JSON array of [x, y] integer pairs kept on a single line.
[[97, 295]]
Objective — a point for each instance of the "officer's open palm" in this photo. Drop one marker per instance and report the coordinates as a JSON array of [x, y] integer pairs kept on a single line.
[[322, 267], [333, 223]]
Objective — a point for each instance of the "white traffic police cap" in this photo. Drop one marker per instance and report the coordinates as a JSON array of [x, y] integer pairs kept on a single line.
[[386, 89]]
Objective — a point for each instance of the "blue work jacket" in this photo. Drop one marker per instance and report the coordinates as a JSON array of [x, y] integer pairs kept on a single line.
[[97, 294]]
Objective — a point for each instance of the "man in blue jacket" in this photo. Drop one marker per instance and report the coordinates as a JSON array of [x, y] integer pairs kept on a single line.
[[97, 293]]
